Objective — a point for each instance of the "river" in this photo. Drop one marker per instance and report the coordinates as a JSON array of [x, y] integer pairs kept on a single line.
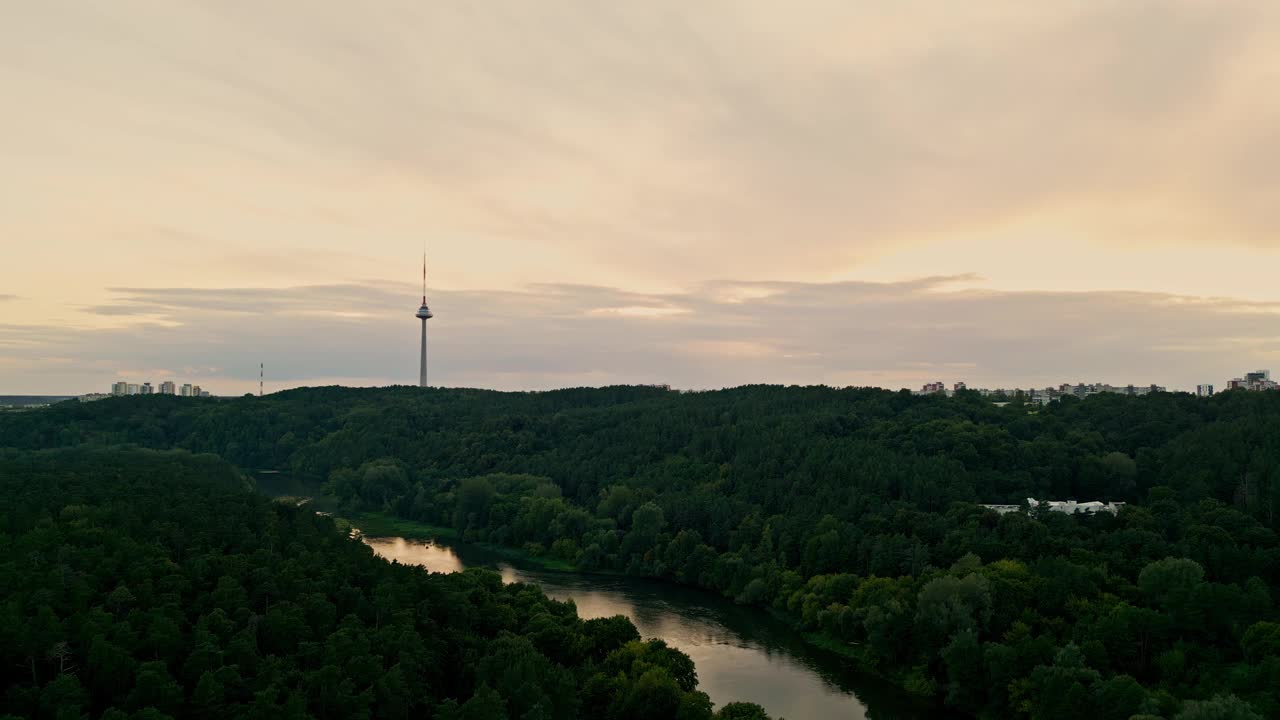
[[741, 653]]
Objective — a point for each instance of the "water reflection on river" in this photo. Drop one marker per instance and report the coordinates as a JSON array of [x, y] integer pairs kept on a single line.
[[741, 653]]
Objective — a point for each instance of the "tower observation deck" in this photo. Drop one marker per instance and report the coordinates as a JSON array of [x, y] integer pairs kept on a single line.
[[423, 314]]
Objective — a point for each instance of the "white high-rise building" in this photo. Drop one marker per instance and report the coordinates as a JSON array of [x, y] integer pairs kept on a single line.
[[1204, 390], [120, 388], [168, 388], [423, 314], [146, 389], [186, 390], [132, 389]]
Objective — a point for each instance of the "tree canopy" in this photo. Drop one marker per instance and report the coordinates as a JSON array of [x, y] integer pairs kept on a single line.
[[855, 512], [152, 584]]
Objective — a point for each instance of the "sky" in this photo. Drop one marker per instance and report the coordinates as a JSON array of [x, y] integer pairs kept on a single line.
[[701, 194]]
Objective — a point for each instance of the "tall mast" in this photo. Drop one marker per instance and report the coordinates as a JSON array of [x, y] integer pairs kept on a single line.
[[423, 314]]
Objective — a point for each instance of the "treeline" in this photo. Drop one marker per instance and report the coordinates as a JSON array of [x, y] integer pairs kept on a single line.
[[851, 511], [151, 585]]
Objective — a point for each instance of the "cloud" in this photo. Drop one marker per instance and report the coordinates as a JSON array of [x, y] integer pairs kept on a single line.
[[848, 333], [568, 149], [664, 144]]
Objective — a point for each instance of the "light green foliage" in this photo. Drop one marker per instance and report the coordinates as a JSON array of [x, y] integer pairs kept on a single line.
[[949, 605]]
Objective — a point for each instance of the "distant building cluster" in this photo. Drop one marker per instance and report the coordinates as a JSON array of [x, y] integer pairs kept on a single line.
[[1257, 380], [1069, 507], [1042, 396], [168, 387]]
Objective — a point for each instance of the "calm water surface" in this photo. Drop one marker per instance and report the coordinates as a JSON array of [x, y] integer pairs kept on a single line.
[[741, 653]]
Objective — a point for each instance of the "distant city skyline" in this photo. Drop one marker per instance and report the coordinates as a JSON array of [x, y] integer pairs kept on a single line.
[[498, 344], [1255, 381], [168, 387], [705, 194]]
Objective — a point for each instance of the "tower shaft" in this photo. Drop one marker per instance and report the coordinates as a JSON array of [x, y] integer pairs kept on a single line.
[[423, 314], [422, 360]]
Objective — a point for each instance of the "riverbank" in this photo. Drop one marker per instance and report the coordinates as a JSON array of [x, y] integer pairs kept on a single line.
[[739, 651], [283, 488], [376, 524], [923, 693], [919, 693], [921, 696], [914, 684]]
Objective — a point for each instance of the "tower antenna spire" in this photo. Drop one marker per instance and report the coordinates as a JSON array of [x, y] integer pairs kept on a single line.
[[423, 314]]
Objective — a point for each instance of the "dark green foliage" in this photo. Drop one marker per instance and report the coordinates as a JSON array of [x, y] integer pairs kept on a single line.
[[1218, 708], [854, 512], [150, 585], [741, 711]]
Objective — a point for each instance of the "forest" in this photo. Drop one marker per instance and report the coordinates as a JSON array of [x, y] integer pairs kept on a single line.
[[854, 513], [153, 584]]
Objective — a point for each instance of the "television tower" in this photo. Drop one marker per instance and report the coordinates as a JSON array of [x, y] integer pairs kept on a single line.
[[423, 314]]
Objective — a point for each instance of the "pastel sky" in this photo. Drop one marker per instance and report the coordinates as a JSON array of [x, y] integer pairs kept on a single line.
[[702, 194]]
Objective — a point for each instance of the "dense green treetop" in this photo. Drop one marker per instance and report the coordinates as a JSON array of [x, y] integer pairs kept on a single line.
[[853, 511], [144, 584]]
